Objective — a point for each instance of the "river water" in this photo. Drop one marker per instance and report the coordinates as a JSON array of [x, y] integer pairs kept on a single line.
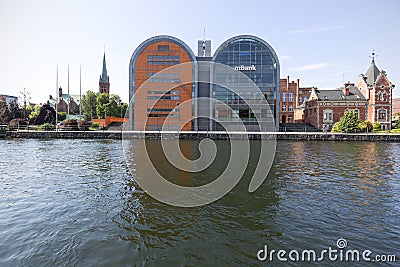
[[75, 203]]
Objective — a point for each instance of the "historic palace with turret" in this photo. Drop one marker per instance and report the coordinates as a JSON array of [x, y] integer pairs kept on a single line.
[[370, 98]]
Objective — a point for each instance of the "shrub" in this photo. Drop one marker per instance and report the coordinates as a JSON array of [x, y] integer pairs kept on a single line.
[[17, 123], [365, 125], [61, 116], [397, 125], [377, 127], [337, 128], [46, 127], [95, 125], [70, 125], [33, 114], [84, 125]]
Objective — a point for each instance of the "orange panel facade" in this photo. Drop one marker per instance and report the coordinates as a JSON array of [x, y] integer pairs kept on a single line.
[[161, 85]]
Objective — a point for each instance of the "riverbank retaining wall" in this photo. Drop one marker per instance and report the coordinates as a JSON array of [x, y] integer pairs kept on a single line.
[[201, 135]]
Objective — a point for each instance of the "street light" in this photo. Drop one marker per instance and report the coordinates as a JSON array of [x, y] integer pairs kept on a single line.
[[25, 93]]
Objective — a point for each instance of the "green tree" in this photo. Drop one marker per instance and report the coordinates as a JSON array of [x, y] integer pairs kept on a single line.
[[99, 105], [115, 106], [3, 111], [101, 108], [89, 105], [348, 123], [123, 107]]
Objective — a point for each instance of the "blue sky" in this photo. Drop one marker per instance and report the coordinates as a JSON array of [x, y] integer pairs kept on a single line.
[[319, 42]]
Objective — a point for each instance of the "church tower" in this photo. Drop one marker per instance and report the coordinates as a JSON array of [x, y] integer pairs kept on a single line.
[[377, 89], [104, 82]]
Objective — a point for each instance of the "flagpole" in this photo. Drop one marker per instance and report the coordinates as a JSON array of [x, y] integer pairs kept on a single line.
[[80, 92], [69, 100], [56, 97]]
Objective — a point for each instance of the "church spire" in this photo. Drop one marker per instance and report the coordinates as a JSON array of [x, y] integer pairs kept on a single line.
[[104, 82], [104, 76]]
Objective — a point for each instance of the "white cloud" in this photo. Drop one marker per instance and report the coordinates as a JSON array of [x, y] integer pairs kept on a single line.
[[317, 29], [283, 58], [315, 66]]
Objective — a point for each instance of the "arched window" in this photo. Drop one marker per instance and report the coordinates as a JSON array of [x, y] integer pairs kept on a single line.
[[383, 97], [382, 115], [380, 96]]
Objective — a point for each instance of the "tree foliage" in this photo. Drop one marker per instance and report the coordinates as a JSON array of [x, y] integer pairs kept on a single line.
[[348, 123], [89, 104], [397, 123], [101, 102], [61, 116], [365, 126], [10, 112], [99, 105]]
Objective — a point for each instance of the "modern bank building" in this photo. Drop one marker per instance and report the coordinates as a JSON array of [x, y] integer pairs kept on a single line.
[[172, 89]]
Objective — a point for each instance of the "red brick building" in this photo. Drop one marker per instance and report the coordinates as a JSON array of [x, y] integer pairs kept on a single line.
[[291, 97], [288, 101], [377, 89], [371, 99], [325, 107]]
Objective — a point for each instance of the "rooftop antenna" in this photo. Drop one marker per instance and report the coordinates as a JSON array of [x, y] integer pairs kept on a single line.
[[204, 42]]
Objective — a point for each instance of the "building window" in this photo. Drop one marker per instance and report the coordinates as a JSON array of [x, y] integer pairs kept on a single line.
[[158, 57], [290, 97], [283, 97], [283, 108], [163, 48], [357, 112], [328, 116], [162, 62], [383, 97], [382, 114], [290, 108], [300, 100]]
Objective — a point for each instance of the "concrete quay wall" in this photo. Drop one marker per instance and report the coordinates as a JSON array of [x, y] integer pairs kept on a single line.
[[201, 135]]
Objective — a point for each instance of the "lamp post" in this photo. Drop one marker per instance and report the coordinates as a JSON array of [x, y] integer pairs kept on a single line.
[[25, 93]]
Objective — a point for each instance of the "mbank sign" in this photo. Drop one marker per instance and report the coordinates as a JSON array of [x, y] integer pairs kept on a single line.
[[244, 68]]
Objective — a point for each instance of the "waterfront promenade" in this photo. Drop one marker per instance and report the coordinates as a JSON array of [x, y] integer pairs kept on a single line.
[[190, 135]]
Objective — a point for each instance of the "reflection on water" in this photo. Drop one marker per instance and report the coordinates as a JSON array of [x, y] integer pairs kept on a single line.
[[73, 202]]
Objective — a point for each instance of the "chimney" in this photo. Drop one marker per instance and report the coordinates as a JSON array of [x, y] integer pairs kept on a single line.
[[346, 90], [59, 91]]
